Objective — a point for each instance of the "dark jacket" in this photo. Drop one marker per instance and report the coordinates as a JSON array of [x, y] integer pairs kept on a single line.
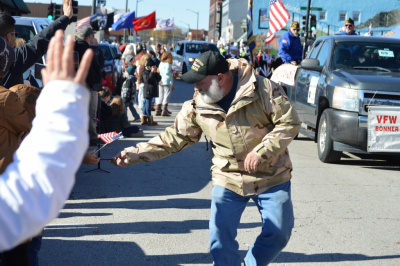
[[98, 53], [290, 48], [150, 80], [31, 52], [342, 32], [117, 123], [105, 114], [94, 76]]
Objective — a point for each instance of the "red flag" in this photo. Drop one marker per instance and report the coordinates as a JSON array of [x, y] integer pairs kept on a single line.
[[145, 23]]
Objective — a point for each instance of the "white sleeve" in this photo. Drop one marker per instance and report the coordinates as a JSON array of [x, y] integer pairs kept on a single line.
[[36, 185]]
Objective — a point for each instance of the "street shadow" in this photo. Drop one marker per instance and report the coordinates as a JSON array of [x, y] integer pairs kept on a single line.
[[159, 227], [180, 203], [292, 257], [368, 163], [121, 253], [80, 214], [99, 253]]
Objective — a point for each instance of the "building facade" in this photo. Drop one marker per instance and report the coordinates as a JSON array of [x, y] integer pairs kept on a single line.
[[214, 27], [384, 15], [233, 22]]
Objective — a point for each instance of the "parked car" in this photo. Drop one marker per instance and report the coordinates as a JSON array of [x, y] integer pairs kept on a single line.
[[189, 50], [341, 78], [27, 27], [110, 66]]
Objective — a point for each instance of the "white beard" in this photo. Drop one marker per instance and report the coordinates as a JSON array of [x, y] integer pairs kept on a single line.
[[214, 93]]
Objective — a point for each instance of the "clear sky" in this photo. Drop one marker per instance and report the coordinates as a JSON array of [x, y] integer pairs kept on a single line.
[[163, 8]]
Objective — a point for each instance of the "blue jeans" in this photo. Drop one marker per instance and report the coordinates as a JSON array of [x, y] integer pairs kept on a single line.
[[34, 248], [275, 207], [136, 98], [147, 106], [132, 108]]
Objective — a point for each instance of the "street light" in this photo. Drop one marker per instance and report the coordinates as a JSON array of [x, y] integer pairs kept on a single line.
[[186, 24], [136, 12], [197, 31]]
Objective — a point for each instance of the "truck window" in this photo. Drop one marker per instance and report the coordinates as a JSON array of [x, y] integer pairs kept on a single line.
[[324, 53], [25, 32], [314, 52]]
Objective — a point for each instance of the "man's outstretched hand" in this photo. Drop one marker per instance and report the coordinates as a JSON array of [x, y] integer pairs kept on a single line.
[[120, 160], [60, 61]]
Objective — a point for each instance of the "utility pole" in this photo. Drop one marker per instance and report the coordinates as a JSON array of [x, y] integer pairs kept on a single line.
[[197, 31], [307, 21], [94, 7], [126, 10]]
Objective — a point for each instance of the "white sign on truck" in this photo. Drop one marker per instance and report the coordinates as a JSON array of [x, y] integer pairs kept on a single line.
[[383, 129]]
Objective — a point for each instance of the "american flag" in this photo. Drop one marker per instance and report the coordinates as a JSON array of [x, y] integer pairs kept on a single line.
[[109, 137], [278, 18], [85, 22]]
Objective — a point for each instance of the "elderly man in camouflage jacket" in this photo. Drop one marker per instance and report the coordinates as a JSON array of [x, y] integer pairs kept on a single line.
[[250, 122]]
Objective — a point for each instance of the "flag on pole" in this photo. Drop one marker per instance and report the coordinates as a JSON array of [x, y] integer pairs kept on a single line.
[[109, 137], [250, 38], [85, 22], [145, 23], [165, 24], [124, 21], [278, 18]]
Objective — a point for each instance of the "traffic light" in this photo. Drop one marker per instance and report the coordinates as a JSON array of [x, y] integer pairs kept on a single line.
[[75, 11], [50, 12], [57, 11], [304, 21], [313, 23]]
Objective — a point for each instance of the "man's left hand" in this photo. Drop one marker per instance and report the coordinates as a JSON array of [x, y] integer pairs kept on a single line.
[[67, 8], [251, 162]]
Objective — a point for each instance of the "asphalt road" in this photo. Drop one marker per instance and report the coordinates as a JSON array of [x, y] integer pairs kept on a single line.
[[157, 213]]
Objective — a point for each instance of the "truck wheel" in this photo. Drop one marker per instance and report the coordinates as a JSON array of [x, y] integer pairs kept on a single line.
[[325, 143], [184, 68]]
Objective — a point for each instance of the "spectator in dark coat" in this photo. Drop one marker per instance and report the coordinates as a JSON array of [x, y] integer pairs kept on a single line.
[[31, 52], [93, 80], [118, 121], [150, 79]]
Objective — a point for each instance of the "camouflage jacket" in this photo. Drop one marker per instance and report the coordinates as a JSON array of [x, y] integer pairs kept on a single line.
[[260, 119]]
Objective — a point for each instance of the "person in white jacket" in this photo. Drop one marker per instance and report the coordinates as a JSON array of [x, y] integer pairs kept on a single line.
[[36, 185]]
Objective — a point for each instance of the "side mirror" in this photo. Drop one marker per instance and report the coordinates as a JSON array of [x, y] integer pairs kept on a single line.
[[117, 56], [311, 64], [179, 52]]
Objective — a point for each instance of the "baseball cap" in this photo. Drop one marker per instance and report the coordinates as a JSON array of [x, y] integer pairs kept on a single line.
[[349, 20], [295, 25], [206, 64], [86, 31]]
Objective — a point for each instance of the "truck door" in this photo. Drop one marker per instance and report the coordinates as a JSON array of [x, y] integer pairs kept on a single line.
[[302, 86]]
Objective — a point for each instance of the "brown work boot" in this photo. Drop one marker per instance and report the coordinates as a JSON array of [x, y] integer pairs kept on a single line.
[[165, 110], [151, 121], [158, 110], [144, 120]]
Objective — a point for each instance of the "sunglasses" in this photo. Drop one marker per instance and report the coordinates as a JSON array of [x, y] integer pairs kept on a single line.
[[15, 33], [349, 25]]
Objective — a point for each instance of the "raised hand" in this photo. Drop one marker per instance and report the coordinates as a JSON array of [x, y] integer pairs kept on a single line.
[[67, 8], [60, 61]]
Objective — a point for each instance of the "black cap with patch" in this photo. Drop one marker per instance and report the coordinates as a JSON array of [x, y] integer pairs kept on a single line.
[[206, 64]]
